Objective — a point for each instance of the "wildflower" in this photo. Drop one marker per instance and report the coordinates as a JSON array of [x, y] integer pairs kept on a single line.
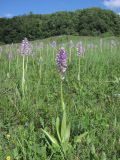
[[71, 44], [53, 44], [113, 43], [78, 44], [80, 49], [10, 56], [61, 62], [8, 158], [62, 44], [8, 136], [25, 47]]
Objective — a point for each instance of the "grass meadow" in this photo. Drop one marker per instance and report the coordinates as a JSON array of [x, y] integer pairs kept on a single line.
[[92, 103]]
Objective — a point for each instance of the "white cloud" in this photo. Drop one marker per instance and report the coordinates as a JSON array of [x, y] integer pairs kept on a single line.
[[8, 15], [112, 3]]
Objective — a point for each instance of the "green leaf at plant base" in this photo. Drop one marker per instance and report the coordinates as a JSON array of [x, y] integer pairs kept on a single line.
[[51, 138], [63, 126], [67, 133], [66, 146], [58, 128]]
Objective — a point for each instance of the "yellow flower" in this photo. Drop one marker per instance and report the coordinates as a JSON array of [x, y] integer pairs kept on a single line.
[[8, 158], [8, 136]]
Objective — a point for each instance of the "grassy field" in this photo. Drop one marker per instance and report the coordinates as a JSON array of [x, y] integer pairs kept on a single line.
[[92, 103]]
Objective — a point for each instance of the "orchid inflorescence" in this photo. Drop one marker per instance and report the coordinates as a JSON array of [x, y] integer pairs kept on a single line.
[[61, 62], [80, 49], [25, 47]]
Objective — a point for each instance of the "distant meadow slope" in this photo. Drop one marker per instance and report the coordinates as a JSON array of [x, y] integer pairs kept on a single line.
[[86, 22]]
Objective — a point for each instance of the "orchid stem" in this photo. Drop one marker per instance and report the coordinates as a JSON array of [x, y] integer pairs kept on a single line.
[[23, 75], [62, 100]]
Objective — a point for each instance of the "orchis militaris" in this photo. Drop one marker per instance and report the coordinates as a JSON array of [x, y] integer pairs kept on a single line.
[[62, 128], [71, 45], [61, 140], [61, 62], [80, 52], [25, 49], [53, 45]]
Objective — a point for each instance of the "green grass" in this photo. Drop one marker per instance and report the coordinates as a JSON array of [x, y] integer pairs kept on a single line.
[[92, 105]]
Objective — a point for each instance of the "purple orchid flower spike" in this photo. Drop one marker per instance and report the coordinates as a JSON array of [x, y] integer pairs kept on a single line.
[[25, 47], [80, 49], [61, 62]]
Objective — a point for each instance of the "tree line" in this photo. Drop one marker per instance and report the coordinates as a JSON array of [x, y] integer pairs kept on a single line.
[[86, 22]]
